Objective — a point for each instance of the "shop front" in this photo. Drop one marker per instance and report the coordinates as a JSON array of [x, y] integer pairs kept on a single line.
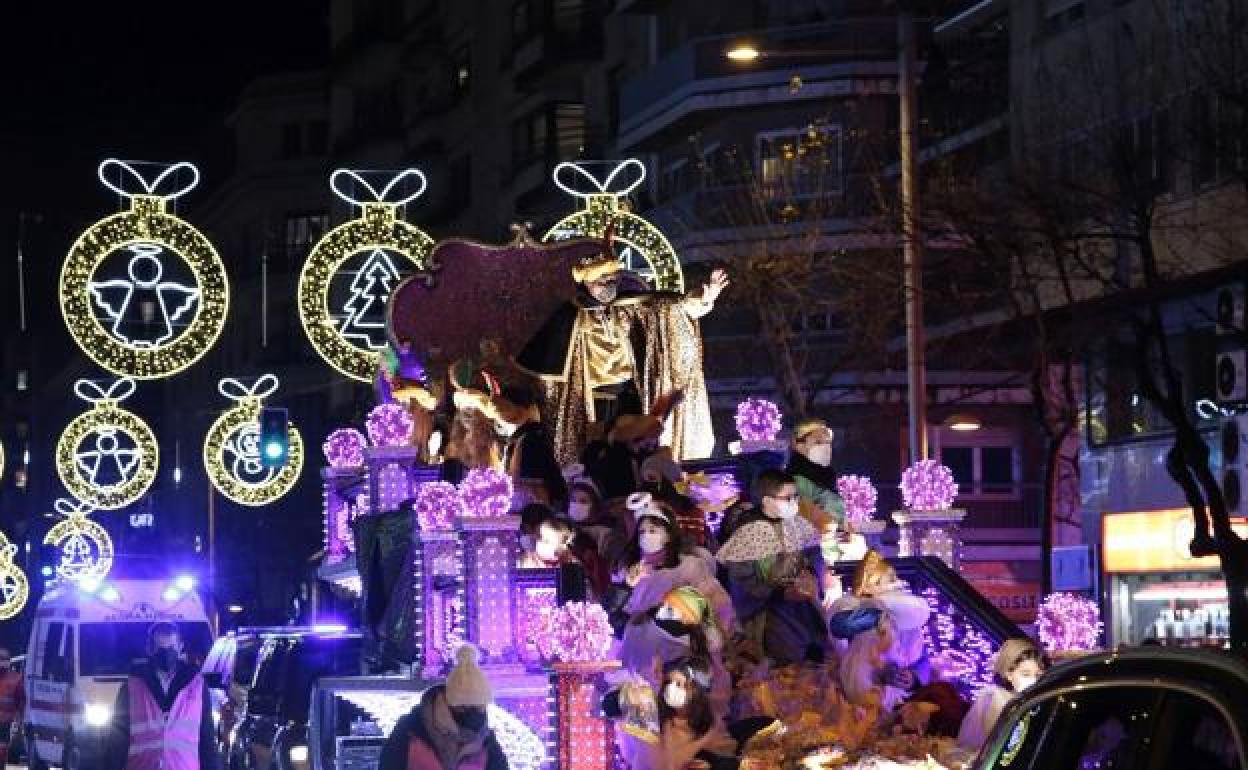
[[1157, 592]]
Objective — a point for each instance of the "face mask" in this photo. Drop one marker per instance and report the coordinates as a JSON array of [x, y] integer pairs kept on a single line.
[[1022, 682], [546, 551], [675, 695], [578, 511], [821, 454], [784, 509], [470, 718], [165, 659], [604, 293], [651, 542], [505, 429]]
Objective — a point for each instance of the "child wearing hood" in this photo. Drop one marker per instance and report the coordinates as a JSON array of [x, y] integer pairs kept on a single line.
[[449, 729]]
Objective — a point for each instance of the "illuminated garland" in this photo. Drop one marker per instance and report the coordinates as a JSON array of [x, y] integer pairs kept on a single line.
[[437, 506], [486, 493], [389, 425], [758, 420], [859, 496], [14, 587], [602, 208], [146, 230], [92, 443], [378, 228], [575, 632], [928, 486], [345, 448], [1068, 623], [86, 548], [232, 447]]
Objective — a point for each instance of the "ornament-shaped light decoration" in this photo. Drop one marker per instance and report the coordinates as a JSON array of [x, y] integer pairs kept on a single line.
[[758, 420], [232, 447], [107, 456], [486, 493], [575, 632], [437, 506], [928, 486], [147, 320], [389, 425], [14, 587], [351, 335], [859, 496], [86, 548], [344, 448], [1068, 623], [633, 236]]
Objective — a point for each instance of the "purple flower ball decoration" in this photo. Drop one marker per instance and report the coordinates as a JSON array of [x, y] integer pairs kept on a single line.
[[758, 420], [437, 505], [486, 493], [859, 496], [344, 448], [576, 632], [1068, 623], [389, 425], [928, 486]]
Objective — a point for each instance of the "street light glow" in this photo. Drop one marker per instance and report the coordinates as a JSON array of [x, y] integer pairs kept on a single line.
[[963, 423], [743, 53]]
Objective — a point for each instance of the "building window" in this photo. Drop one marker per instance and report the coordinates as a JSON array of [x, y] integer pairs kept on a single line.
[[462, 62], [800, 162], [984, 463], [302, 231], [528, 139], [23, 379], [292, 140], [570, 130]]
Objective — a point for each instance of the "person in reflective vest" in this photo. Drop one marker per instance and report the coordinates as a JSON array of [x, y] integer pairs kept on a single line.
[[12, 703], [163, 716]]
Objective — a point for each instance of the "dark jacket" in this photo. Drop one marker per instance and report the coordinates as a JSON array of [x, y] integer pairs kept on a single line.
[[118, 745], [394, 754]]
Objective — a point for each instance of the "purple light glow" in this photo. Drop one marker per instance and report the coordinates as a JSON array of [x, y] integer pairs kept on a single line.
[[758, 420], [859, 496], [486, 493], [961, 652], [928, 486], [437, 506], [389, 425], [1068, 623], [344, 448], [576, 632]]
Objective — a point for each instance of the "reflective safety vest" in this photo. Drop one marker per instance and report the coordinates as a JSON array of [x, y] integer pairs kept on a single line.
[[160, 741]]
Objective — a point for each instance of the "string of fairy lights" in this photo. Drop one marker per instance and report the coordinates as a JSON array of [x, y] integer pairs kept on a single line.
[[145, 295]]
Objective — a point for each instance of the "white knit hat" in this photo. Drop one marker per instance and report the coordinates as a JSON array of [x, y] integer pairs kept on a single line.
[[466, 685]]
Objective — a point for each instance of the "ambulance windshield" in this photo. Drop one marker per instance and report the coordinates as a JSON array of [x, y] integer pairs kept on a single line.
[[113, 649]]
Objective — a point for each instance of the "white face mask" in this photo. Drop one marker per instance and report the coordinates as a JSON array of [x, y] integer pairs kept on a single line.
[[821, 454], [675, 695], [505, 429], [651, 542], [1022, 682], [785, 509], [546, 551], [578, 511]]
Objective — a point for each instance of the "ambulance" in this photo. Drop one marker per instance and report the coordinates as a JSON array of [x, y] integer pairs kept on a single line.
[[85, 640]]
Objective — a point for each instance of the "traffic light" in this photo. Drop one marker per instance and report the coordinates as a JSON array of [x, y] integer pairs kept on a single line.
[[274, 437]]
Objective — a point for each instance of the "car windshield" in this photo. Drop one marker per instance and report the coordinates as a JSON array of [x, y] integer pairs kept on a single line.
[[112, 649], [286, 668]]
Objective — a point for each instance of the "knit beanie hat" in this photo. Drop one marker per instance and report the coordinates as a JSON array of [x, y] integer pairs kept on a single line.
[[466, 685]]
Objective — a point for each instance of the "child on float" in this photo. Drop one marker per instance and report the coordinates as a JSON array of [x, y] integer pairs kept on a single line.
[[599, 538], [777, 575], [655, 561], [545, 538], [1019, 663], [883, 622]]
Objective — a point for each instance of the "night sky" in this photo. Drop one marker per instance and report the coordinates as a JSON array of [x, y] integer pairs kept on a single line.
[[137, 80]]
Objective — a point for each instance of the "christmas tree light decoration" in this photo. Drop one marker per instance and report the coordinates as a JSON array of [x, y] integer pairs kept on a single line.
[[345, 448], [179, 322], [14, 587], [602, 207], [86, 548], [389, 425], [232, 447], [107, 456], [437, 506], [758, 420], [486, 493], [351, 337], [859, 496], [928, 486], [575, 632], [1068, 623]]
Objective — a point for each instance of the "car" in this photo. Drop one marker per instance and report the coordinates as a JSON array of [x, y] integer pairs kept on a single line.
[[267, 676], [1147, 708]]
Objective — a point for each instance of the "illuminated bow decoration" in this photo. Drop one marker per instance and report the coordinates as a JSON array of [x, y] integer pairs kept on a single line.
[[73, 509], [575, 173], [235, 390], [127, 172], [118, 390], [338, 179]]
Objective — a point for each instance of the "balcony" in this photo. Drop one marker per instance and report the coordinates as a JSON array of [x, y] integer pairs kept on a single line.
[[683, 88], [568, 32]]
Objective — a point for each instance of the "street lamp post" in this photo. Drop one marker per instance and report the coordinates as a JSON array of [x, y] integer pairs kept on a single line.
[[911, 231]]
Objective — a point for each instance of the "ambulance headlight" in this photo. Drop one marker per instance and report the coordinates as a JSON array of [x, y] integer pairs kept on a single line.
[[98, 714]]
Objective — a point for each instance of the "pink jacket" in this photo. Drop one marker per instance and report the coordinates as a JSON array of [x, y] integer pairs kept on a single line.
[[165, 742]]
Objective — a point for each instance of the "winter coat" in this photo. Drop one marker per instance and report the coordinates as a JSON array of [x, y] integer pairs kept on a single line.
[[120, 748], [412, 745], [978, 723]]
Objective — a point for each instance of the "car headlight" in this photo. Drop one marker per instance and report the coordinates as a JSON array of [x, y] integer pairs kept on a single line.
[[98, 714], [298, 754]]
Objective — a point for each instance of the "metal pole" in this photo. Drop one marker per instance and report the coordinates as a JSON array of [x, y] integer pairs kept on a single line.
[[911, 237], [212, 559]]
